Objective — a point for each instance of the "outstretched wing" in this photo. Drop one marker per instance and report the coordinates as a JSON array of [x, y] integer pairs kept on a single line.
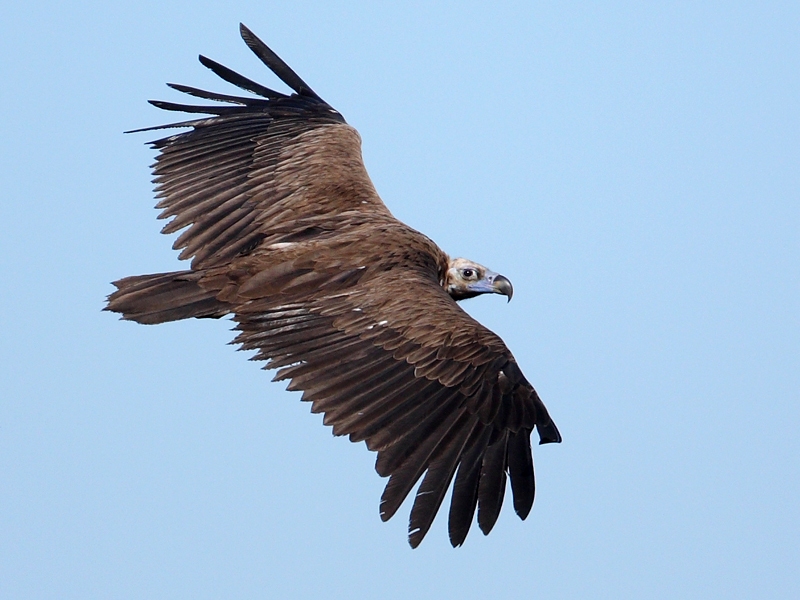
[[285, 230], [257, 166], [395, 362]]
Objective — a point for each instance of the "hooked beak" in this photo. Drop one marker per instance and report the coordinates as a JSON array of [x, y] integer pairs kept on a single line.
[[501, 285], [492, 283]]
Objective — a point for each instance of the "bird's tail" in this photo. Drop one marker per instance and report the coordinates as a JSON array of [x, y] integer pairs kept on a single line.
[[162, 297]]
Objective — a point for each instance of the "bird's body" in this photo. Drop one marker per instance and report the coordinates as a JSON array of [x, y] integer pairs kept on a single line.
[[287, 234]]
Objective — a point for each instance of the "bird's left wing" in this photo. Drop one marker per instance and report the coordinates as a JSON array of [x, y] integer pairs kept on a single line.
[[395, 362]]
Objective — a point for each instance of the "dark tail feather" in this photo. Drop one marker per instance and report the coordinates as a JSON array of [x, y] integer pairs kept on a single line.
[[151, 299]]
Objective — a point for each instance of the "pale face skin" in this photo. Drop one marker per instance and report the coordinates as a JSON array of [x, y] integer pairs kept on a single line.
[[467, 279]]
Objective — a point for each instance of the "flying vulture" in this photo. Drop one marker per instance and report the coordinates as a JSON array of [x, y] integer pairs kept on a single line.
[[287, 234]]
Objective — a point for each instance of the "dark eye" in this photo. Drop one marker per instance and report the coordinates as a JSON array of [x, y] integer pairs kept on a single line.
[[468, 273]]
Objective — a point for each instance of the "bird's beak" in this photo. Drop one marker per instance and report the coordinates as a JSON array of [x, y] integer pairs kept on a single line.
[[501, 285]]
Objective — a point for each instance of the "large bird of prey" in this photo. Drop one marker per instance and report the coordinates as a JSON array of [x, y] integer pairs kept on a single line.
[[287, 234]]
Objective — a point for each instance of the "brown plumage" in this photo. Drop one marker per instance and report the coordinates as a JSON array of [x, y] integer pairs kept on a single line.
[[287, 233]]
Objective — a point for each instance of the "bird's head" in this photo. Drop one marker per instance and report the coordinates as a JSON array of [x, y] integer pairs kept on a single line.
[[466, 279]]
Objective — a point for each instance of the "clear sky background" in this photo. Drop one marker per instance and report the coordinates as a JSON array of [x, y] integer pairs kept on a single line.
[[632, 167]]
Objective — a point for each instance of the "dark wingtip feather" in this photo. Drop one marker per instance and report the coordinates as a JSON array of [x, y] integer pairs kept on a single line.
[[440, 473], [206, 95], [520, 470], [189, 108], [465, 489], [548, 432], [415, 537], [238, 80], [492, 485], [275, 63], [192, 123]]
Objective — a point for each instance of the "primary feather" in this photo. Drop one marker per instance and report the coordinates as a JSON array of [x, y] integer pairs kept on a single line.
[[286, 233]]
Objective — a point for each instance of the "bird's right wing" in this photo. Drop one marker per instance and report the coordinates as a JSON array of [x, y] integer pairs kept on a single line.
[[257, 166]]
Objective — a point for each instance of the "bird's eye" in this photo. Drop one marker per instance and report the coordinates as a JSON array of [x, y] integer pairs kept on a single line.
[[468, 273]]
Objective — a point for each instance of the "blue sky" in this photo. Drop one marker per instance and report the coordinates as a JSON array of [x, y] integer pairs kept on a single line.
[[632, 168]]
